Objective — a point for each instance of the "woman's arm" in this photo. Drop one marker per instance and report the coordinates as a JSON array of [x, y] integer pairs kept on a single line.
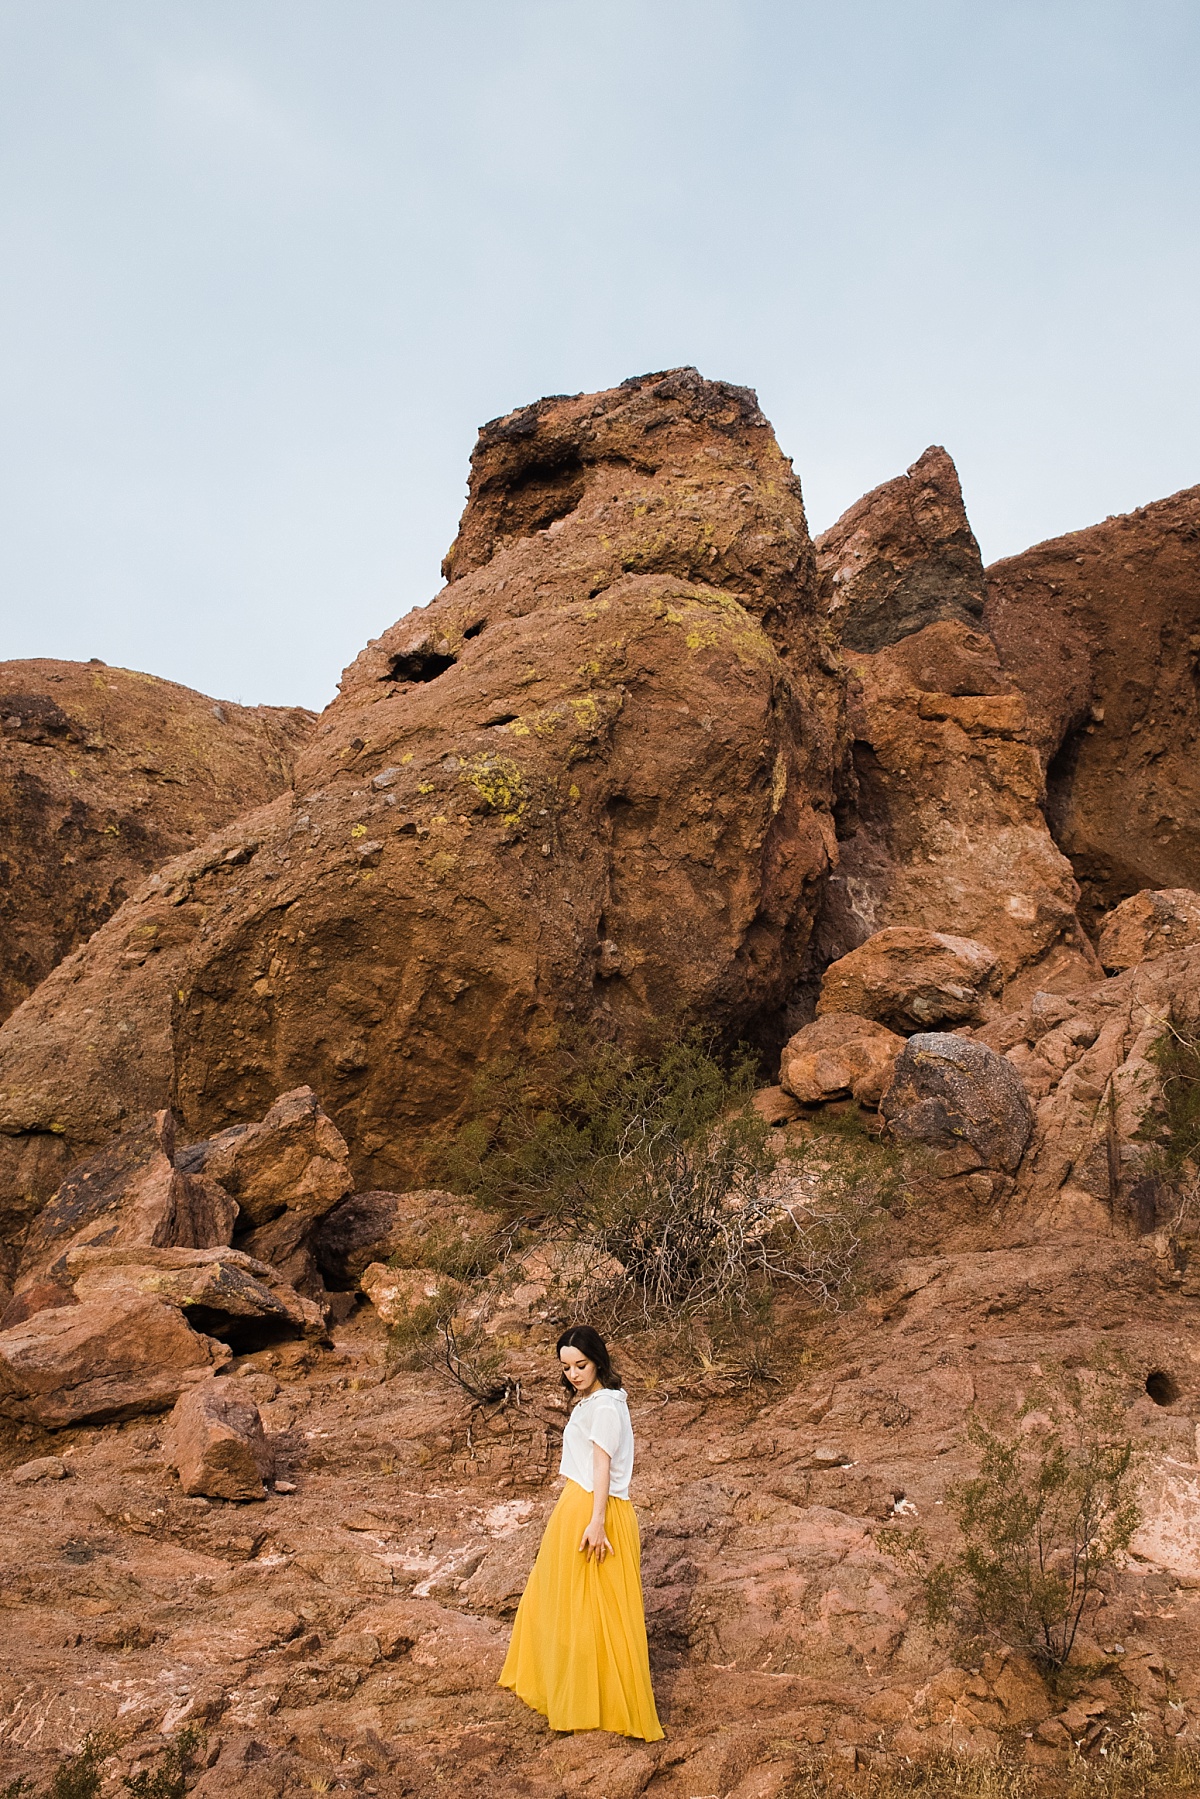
[[594, 1540]]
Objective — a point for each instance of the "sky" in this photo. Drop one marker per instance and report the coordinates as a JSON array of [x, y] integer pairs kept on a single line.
[[269, 264]]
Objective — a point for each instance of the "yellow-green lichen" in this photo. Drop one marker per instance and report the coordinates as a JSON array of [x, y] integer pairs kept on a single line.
[[499, 784]]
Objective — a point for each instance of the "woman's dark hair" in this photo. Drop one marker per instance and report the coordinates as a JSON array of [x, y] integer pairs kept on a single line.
[[591, 1344]]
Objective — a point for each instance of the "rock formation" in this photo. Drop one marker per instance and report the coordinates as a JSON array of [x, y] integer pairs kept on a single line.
[[944, 830], [105, 774], [216, 1440], [1149, 925], [1100, 630], [912, 980], [591, 782], [835, 1057], [903, 557]]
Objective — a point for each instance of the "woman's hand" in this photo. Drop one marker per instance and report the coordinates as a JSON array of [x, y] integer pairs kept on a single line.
[[595, 1542]]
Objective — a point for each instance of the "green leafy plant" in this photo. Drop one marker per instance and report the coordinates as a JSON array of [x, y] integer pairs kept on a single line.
[[1175, 1053], [78, 1776], [1052, 1507]]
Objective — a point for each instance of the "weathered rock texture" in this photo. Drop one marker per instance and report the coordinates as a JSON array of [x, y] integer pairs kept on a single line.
[[104, 774], [216, 1440], [903, 557], [1101, 631], [1086, 1063], [110, 1358], [960, 1099], [835, 1057], [377, 1227], [1149, 925], [912, 980], [591, 781], [945, 830], [222, 1292]]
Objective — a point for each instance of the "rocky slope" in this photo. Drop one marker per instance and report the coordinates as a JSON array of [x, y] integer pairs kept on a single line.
[[592, 782], [105, 774]]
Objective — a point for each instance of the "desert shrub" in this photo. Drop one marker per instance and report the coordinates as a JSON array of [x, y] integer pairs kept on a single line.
[[1130, 1765], [448, 1250], [78, 1776], [663, 1168], [170, 1779], [1175, 1053], [1049, 1512]]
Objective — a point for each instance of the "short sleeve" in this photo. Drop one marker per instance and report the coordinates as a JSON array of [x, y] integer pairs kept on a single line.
[[604, 1426]]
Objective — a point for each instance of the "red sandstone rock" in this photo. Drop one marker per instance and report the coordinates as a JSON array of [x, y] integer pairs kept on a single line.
[[373, 1227], [113, 1358], [598, 770], [1148, 925], [912, 979], [1101, 631], [104, 774], [840, 1054], [128, 1194], [222, 1291], [945, 831], [215, 1439], [903, 557]]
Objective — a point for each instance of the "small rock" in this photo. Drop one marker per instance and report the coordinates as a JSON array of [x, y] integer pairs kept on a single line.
[[46, 1467], [825, 1457], [217, 1443], [837, 1055], [775, 1106], [285, 1486], [1148, 925]]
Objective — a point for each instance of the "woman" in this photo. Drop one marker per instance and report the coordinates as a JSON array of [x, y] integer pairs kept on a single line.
[[578, 1650]]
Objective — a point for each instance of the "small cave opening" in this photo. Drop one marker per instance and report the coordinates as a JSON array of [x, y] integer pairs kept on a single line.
[[505, 718], [418, 665], [1162, 1389], [475, 629], [244, 1336]]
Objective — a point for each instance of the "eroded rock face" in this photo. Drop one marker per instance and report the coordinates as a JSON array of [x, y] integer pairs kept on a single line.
[[903, 557], [91, 1363], [912, 980], [216, 1440], [591, 781], [373, 1227], [1149, 925], [840, 1055], [961, 1099], [222, 1292], [104, 774], [1101, 631]]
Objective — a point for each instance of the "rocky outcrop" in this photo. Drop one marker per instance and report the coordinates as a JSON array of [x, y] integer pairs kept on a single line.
[[903, 557], [912, 980], [591, 782], [377, 1227], [131, 1193], [216, 1442], [960, 1099], [836, 1057], [91, 1363], [944, 830], [1101, 632], [104, 774], [222, 1292], [1149, 925]]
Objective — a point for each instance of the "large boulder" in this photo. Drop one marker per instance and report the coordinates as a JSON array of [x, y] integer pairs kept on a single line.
[[959, 1098], [1148, 925], [215, 1439], [131, 1193], [222, 1292], [590, 783], [837, 1056], [944, 830], [1100, 629], [912, 980], [285, 1172], [92, 1363], [903, 557], [104, 774]]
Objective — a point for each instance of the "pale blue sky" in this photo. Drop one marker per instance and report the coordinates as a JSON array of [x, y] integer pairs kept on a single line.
[[269, 263]]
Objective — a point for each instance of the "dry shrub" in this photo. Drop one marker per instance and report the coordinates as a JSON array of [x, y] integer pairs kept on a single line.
[[662, 1173]]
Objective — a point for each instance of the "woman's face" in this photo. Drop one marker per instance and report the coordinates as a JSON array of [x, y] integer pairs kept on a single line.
[[579, 1371]]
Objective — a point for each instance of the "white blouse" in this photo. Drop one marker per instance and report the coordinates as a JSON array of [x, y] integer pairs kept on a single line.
[[601, 1418]]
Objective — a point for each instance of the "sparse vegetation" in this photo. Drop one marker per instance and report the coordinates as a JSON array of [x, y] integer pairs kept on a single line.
[[662, 1170], [1052, 1508], [1175, 1053], [170, 1779]]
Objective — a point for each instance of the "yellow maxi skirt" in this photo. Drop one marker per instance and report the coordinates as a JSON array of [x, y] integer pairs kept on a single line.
[[578, 1652]]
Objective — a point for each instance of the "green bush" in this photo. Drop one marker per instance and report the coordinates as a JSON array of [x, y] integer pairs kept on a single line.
[[1175, 1053], [1050, 1510]]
